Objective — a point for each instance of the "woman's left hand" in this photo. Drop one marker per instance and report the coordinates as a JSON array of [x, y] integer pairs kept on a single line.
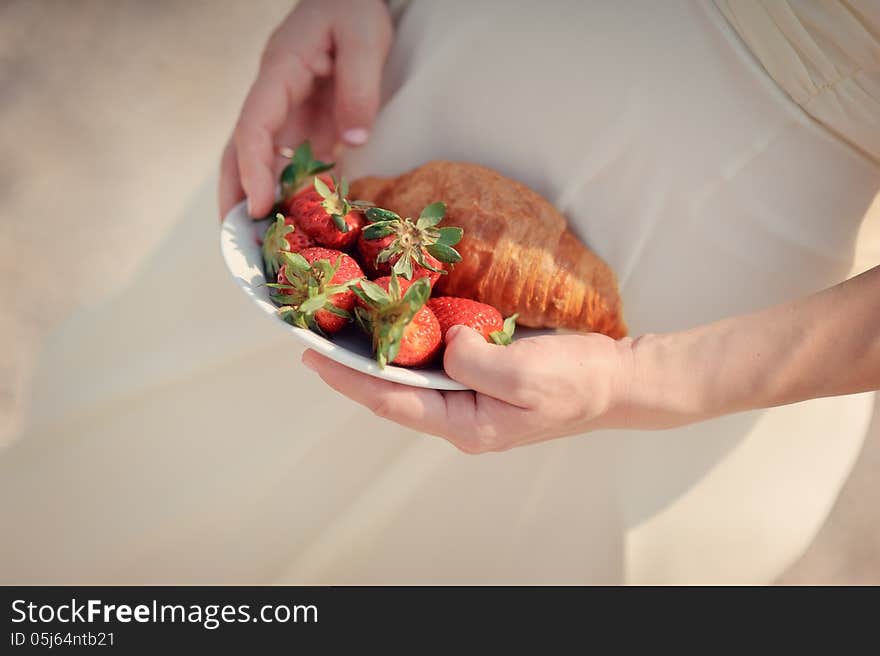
[[536, 389]]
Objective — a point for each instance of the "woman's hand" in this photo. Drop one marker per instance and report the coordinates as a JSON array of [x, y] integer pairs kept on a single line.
[[319, 79], [535, 389], [544, 387]]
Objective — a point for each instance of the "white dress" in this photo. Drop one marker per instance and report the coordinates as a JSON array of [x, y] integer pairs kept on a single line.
[[174, 437]]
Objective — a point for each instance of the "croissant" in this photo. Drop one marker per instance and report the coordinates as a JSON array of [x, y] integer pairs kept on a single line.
[[517, 252]]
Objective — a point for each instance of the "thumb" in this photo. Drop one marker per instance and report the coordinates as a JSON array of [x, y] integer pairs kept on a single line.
[[486, 368]]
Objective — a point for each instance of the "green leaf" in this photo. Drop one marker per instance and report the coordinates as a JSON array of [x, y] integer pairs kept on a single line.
[[425, 224], [375, 214], [363, 319], [417, 294], [343, 188], [386, 253], [302, 165], [326, 268], [289, 177], [284, 299], [434, 212], [403, 267], [339, 221], [443, 252], [348, 285], [505, 337], [378, 230], [274, 243], [338, 311], [313, 325], [424, 263], [510, 323], [374, 292], [313, 304], [388, 341], [296, 261], [293, 316], [322, 188], [450, 235], [394, 286], [500, 337], [361, 294], [393, 350], [320, 167], [302, 156]]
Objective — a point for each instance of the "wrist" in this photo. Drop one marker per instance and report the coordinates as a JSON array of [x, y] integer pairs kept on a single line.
[[663, 385]]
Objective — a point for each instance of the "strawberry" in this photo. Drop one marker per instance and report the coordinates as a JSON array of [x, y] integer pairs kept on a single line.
[[326, 215], [282, 236], [404, 331], [302, 167], [315, 288], [486, 320], [412, 249], [369, 250]]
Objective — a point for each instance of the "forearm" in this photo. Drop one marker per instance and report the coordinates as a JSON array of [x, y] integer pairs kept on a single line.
[[823, 345]]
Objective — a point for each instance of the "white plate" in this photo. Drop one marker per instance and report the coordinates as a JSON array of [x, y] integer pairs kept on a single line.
[[243, 255]]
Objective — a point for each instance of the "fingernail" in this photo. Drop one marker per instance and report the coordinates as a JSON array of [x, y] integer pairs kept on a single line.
[[356, 136], [453, 331]]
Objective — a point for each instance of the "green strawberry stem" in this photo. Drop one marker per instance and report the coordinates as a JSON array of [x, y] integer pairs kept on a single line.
[[308, 290], [334, 202], [504, 337], [274, 243], [302, 166], [389, 313], [413, 239]]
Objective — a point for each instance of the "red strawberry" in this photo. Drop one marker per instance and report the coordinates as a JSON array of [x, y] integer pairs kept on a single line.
[[412, 249], [370, 249], [405, 332], [302, 167], [326, 215], [298, 240], [281, 236], [486, 320], [315, 288], [385, 283]]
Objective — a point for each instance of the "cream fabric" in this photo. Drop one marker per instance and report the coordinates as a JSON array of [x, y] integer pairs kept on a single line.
[[825, 54], [174, 437]]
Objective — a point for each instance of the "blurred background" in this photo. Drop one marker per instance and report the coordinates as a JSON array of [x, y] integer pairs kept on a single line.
[[112, 114]]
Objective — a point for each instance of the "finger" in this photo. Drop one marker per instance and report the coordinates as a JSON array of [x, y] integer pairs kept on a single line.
[[487, 368], [322, 127], [230, 191], [482, 423], [297, 128], [471, 422], [416, 408], [281, 86], [360, 57]]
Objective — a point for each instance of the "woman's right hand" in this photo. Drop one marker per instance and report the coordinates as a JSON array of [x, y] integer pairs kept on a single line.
[[319, 79]]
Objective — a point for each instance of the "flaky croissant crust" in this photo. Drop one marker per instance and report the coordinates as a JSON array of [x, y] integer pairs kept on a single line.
[[517, 252]]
